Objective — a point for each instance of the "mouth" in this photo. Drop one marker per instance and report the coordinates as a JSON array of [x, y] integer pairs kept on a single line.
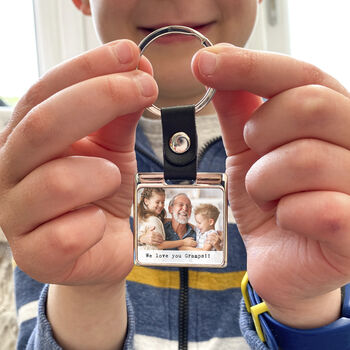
[[181, 217], [171, 38]]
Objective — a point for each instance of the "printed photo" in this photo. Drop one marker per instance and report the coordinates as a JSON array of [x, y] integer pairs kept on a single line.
[[180, 226]]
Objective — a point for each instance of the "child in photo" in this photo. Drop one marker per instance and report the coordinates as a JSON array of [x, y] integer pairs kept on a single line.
[[205, 216], [151, 213]]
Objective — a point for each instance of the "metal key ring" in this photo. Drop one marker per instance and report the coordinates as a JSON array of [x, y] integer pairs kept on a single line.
[[178, 30]]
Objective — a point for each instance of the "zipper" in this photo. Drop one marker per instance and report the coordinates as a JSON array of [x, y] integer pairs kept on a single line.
[[149, 155], [183, 293], [206, 146], [183, 309]]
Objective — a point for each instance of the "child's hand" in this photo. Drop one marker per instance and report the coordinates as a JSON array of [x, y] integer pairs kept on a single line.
[[214, 240], [151, 237], [193, 243], [67, 166], [189, 242], [288, 166]]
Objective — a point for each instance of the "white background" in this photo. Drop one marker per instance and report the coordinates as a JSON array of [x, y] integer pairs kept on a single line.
[[319, 33]]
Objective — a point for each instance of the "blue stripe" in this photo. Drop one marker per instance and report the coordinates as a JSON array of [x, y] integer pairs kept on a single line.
[[26, 288]]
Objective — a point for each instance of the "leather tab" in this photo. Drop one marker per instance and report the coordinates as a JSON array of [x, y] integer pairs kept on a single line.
[[179, 166]]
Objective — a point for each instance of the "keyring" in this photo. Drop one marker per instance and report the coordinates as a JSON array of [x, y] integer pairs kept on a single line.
[[178, 30]]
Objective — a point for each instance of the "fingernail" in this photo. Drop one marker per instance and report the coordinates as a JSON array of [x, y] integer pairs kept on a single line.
[[207, 63], [146, 85], [123, 52]]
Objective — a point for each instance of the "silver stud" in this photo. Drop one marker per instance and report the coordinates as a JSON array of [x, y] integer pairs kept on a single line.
[[180, 142]]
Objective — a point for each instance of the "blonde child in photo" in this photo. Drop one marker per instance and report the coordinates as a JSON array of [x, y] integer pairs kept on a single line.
[[151, 214], [206, 216]]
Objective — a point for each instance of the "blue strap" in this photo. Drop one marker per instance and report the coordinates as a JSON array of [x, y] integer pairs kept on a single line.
[[269, 338], [333, 336]]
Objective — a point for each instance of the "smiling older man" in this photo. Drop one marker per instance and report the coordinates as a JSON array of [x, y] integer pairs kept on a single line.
[[180, 208]]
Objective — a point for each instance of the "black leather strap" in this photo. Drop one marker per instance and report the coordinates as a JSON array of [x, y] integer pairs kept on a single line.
[[179, 167]]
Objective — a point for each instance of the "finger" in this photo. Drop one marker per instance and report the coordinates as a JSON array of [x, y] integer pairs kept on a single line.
[[76, 112], [303, 165], [234, 110], [233, 70], [266, 74], [320, 113], [114, 57], [56, 188], [156, 241], [64, 238], [321, 216]]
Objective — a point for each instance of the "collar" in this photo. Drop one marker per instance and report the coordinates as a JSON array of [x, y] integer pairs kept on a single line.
[[169, 226]]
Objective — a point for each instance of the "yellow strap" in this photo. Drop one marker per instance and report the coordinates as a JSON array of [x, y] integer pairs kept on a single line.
[[244, 285], [255, 310]]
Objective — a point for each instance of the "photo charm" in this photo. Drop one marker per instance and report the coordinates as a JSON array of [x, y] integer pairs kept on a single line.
[[180, 216], [181, 225]]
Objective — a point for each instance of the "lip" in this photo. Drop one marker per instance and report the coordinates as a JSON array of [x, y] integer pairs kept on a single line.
[[173, 38]]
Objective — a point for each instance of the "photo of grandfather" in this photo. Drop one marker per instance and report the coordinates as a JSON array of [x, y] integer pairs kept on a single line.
[[180, 226]]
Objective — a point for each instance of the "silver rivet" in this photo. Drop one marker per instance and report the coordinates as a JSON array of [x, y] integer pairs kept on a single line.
[[180, 142]]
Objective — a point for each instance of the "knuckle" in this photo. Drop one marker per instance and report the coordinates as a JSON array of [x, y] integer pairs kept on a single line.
[[305, 158], [64, 241], [107, 176], [86, 65], [109, 172], [247, 62], [250, 181], [58, 182], [314, 104], [35, 94], [312, 74], [34, 128], [112, 88]]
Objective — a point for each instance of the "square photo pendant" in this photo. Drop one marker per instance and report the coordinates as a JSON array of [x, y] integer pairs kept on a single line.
[[180, 224]]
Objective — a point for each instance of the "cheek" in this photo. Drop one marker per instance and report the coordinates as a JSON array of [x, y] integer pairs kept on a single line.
[[111, 18], [153, 205], [238, 20]]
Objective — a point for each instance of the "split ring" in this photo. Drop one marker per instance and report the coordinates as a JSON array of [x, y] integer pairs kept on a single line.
[[178, 30]]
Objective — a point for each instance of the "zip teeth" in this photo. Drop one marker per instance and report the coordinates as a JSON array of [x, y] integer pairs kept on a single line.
[[205, 146], [183, 309]]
